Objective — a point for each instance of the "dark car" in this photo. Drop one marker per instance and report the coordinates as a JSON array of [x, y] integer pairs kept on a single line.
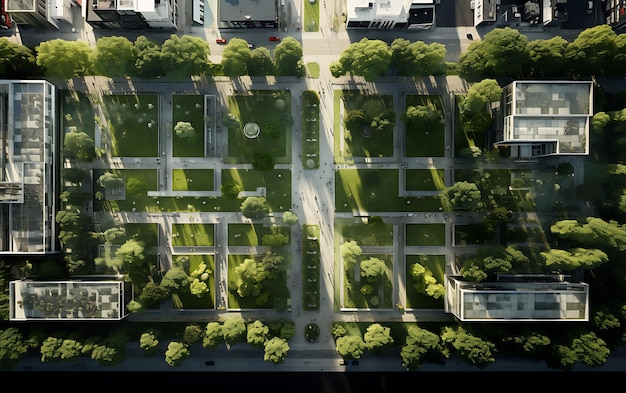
[[274, 38], [355, 362], [209, 363]]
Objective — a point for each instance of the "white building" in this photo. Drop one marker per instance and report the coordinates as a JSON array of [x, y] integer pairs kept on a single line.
[[543, 118], [28, 131], [390, 14]]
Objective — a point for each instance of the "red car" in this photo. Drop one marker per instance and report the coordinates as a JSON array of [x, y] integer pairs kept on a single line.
[[220, 40], [273, 38]]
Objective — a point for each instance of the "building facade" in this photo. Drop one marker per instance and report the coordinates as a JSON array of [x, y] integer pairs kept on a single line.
[[132, 14], [387, 14], [41, 14], [545, 118], [28, 181]]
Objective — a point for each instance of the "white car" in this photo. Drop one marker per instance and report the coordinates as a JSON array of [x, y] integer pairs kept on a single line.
[[471, 4]]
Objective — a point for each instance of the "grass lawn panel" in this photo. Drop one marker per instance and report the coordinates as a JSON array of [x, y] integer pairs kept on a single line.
[[193, 180], [426, 142], [250, 234], [425, 180], [368, 235], [356, 143], [193, 235], [260, 107], [277, 183], [310, 129], [417, 299], [138, 183], [133, 121], [207, 301], [311, 16], [146, 232], [77, 105], [425, 235], [353, 298], [376, 190], [277, 287], [189, 108]]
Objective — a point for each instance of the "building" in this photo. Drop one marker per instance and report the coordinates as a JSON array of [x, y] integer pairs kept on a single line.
[[485, 12], [546, 118], [260, 14], [615, 14], [132, 14], [28, 181], [388, 14], [517, 298], [62, 300], [41, 14], [6, 21]]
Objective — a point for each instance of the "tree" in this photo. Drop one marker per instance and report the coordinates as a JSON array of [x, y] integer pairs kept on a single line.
[[480, 94], [176, 280], [231, 189], [255, 207], [185, 56], [185, 130], [131, 251], [502, 52], [491, 260], [351, 253], [193, 334], [231, 121], [417, 58], [592, 51], [110, 181], [422, 116], [420, 344], [576, 258], [474, 350], [17, 61], [425, 282], [78, 145], [290, 218], [367, 58], [593, 232], [176, 353], [148, 342], [277, 238], [372, 269], [65, 59], [213, 335], [288, 58], [113, 56], [12, 347], [198, 288], [234, 330], [257, 334], [153, 294], [377, 337], [547, 57], [74, 175], [350, 347], [463, 195], [260, 63], [276, 350], [147, 54], [236, 57]]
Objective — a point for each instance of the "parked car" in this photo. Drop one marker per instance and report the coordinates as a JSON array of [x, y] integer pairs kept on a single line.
[[220, 40], [251, 46], [589, 7], [274, 38]]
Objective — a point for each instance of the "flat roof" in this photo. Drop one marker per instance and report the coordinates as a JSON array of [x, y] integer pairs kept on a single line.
[[63, 300]]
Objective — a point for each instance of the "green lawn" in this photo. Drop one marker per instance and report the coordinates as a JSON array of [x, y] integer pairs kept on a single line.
[[425, 179], [417, 299], [277, 183], [271, 110], [425, 142], [425, 234], [276, 287], [207, 300], [77, 111], [310, 129], [382, 295], [249, 234], [189, 108], [193, 235], [133, 121], [357, 143], [365, 234], [376, 190], [192, 179], [311, 16]]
